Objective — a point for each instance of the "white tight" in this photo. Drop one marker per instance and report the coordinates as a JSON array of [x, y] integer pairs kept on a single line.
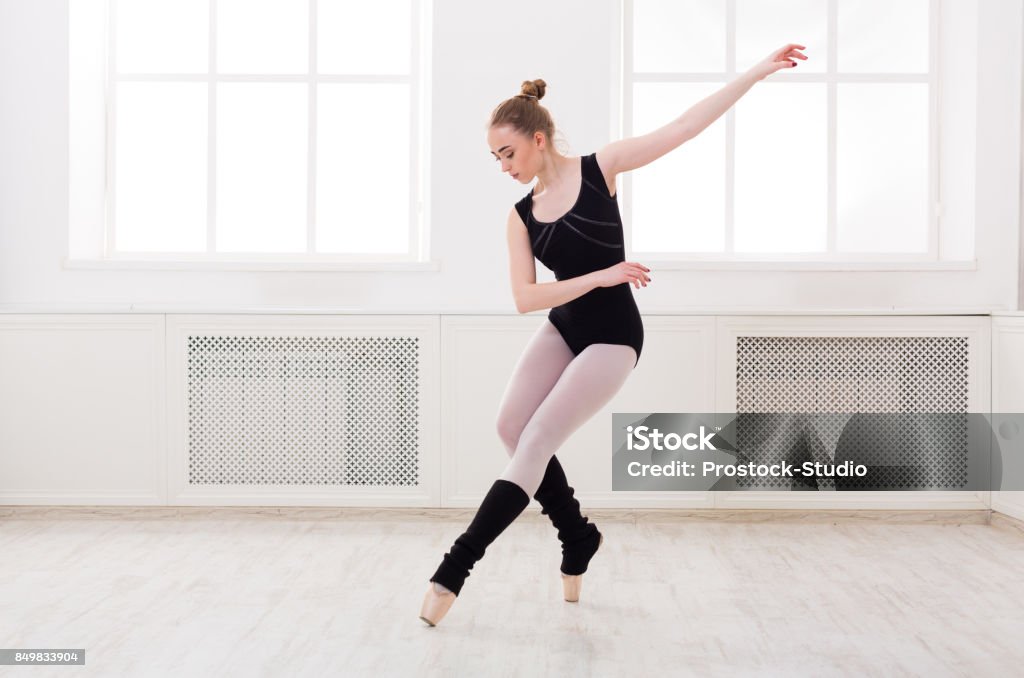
[[551, 394]]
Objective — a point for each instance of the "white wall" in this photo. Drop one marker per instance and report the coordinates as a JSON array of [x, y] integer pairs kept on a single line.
[[482, 52]]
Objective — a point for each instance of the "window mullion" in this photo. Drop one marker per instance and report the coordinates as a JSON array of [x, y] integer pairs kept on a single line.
[[109, 246], [211, 134], [412, 214], [730, 130], [628, 81], [831, 87], [934, 157], [311, 134]]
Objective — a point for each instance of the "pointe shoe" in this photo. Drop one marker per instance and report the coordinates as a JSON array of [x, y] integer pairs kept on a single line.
[[572, 583], [436, 605]]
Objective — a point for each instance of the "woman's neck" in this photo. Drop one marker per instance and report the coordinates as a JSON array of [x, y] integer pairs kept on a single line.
[[554, 174]]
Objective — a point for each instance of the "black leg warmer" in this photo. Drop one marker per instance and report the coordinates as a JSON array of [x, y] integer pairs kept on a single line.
[[502, 505], [579, 538]]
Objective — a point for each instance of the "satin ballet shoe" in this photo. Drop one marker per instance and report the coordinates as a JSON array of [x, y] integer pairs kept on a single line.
[[572, 583], [436, 605]]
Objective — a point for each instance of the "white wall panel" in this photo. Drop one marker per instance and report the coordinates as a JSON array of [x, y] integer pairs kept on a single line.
[[1008, 391], [975, 329], [185, 489], [82, 409]]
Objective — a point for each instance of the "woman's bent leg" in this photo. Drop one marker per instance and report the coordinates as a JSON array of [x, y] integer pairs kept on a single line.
[[502, 505], [538, 370], [587, 385], [542, 363]]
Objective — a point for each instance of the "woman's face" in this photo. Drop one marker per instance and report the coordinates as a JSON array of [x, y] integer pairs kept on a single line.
[[518, 155]]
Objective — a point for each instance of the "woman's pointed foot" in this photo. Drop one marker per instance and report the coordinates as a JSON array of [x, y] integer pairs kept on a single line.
[[572, 583], [436, 604]]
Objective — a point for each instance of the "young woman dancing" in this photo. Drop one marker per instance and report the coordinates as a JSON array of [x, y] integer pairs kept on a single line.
[[591, 340]]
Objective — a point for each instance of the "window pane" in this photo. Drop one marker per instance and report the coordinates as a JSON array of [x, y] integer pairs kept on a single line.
[[781, 179], [262, 36], [881, 36], [678, 35], [363, 168], [882, 167], [261, 167], [762, 27], [156, 36], [364, 37], [678, 200], [160, 165]]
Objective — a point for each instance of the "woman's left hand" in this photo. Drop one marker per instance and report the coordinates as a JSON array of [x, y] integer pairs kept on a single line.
[[779, 59]]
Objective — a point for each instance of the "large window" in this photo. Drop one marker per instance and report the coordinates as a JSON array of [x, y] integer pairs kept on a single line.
[[264, 130], [834, 160]]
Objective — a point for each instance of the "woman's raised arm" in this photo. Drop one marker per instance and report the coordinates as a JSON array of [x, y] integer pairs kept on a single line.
[[629, 154]]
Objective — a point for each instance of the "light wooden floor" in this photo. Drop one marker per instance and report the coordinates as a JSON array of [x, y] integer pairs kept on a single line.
[[329, 592]]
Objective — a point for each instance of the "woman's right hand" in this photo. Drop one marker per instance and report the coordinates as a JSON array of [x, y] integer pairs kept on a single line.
[[780, 58], [623, 272]]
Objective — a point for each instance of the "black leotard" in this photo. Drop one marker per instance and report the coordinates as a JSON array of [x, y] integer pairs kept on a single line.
[[587, 238]]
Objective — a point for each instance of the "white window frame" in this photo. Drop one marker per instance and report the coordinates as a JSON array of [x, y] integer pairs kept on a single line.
[[418, 183], [829, 260]]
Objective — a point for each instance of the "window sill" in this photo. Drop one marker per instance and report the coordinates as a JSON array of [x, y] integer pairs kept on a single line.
[[435, 265], [803, 265], [270, 266]]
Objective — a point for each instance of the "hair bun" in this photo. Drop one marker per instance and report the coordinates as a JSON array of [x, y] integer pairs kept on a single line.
[[534, 88]]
